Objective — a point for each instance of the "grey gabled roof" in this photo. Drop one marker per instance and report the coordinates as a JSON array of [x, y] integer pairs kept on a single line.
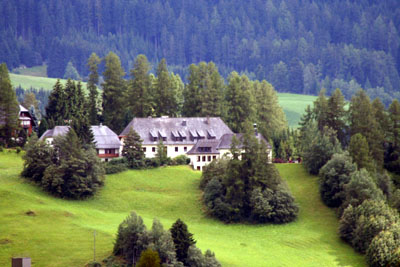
[[104, 137], [198, 148], [226, 140], [144, 127]]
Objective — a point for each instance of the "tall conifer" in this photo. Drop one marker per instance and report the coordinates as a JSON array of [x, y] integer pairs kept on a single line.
[[93, 63]]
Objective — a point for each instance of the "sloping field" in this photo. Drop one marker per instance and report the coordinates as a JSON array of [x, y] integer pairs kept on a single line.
[[27, 81], [294, 105], [60, 232]]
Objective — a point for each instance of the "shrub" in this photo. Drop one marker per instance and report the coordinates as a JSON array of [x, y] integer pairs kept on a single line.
[[151, 163], [385, 184], [161, 241], [181, 160], [115, 166], [320, 151], [132, 238], [396, 200], [360, 187], [149, 258], [216, 169], [384, 249], [333, 176], [37, 158], [18, 150], [197, 259]]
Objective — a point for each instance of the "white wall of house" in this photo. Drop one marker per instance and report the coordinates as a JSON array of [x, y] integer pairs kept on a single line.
[[200, 160], [177, 150]]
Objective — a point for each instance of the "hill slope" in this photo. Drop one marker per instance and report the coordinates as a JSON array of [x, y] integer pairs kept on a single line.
[[60, 233], [27, 81]]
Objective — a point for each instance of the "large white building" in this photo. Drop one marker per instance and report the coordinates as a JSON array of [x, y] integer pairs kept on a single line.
[[201, 139]]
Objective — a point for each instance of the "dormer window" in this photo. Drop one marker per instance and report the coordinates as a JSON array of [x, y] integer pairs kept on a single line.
[[153, 136], [211, 134], [163, 135]]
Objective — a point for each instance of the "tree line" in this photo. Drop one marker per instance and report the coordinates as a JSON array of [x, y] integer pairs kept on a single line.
[[144, 94], [299, 46], [351, 147]]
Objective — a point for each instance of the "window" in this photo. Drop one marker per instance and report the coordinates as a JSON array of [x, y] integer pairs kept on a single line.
[[176, 149], [153, 149], [209, 158], [144, 149], [198, 168], [214, 157], [204, 158], [185, 148], [198, 158], [97, 151], [106, 160]]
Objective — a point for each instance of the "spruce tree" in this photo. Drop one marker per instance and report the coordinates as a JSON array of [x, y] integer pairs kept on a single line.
[[56, 109], [394, 128], [43, 126], [191, 94], [165, 92], [321, 110], [212, 89], [360, 153], [93, 63], [336, 114], [140, 99], [132, 150], [9, 107], [114, 93], [183, 239]]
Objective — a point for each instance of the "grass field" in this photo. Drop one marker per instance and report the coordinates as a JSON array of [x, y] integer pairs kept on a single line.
[[39, 71], [61, 231], [27, 81], [294, 105]]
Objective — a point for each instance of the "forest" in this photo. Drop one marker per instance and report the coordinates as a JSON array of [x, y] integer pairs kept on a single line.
[[298, 46]]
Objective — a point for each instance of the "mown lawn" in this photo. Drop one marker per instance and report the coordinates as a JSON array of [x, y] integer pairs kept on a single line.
[[61, 231]]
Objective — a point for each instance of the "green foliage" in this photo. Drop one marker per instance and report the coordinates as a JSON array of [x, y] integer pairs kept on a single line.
[[183, 239], [334, 175], [161, 241], [115, 166], [133, 151], [180, 160], [321, 148], [161, 155], [93, 63], [360, 187], [9, 108], [247, 190], [71, 72], [114, 93], [395, 200], [149, 258], [384, 248], [359, 151], [197, 259], [74, 173], [132, 238]]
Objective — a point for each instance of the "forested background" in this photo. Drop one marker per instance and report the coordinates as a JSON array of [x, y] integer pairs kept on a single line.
[[299, 46]]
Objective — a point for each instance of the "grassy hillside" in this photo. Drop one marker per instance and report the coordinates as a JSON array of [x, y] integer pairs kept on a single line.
[[27, 81], [39, 71], [294, 105], [60, 233]]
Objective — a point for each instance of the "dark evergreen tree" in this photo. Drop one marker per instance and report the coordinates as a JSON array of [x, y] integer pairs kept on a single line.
[[336, 115], [93, 63], [56, 109], [132, 150], [140, 97], [359, 151], [183, 239], [9, 108], [114, 93], [43, 127]]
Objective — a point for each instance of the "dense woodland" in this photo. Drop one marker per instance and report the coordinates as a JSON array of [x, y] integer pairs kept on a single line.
[[299, 46]]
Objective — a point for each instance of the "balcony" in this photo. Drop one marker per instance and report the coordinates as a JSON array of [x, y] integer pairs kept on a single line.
[[108, 155]]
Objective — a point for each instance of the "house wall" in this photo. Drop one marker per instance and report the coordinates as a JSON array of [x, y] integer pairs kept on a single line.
[[170, 150], [198, 161]]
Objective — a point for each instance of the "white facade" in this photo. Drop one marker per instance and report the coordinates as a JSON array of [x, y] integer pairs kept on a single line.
[[200, 160]]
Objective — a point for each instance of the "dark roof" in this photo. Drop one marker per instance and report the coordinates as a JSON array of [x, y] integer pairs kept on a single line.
[[104, 137], [205, 147], [185, 127], [21, 109], [226, 140]]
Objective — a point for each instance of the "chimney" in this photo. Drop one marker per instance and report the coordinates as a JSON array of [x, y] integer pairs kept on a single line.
[[255, 129], [184, 123], [101, 124], [208, 120]]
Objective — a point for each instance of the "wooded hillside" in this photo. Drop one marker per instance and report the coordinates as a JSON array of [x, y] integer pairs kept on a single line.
[[299, 46]]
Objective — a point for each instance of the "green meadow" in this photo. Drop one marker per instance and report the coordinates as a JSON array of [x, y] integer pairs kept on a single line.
[[57, 232]]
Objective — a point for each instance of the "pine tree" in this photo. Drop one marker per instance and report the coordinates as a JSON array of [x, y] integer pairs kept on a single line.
[[362, 120], [93, 63], [9, 107], [43, 126], [56, 109], [140, 99], [183, 239], [359, 151], [191, 94], [132, 150], [336, 114], [114, 93], [321, 110], [165, 92], [394, 128]]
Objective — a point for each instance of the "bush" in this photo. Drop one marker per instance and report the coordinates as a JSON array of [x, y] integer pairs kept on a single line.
[[151, 163], [149, 258], [384, 249], [37, 158], [216, 169], [197, 259], [395, 200], [115, 166], [181, 160], [18, 150], [360, 187], [1, 148], [359, 225], [333, 176]]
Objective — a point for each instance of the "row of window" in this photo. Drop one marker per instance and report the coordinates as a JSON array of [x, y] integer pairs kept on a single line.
[[153, 149], [107, 151], [205, 158]]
